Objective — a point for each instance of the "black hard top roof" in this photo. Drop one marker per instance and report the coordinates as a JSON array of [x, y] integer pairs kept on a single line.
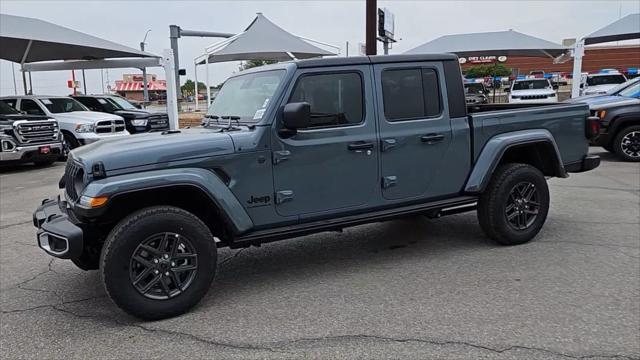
[[377, 59]]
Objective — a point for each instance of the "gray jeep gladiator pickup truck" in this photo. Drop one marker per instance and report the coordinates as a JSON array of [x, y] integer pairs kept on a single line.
[[302, 147]]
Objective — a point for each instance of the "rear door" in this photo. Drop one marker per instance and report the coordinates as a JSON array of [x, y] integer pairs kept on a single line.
[[332, 166], [415, 131]]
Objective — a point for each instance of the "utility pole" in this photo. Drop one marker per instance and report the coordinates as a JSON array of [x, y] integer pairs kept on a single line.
[[145, 88], [372, 10], [84, 83]]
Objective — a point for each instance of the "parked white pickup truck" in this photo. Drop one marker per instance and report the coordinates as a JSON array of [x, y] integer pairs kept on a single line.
[[78, 125], [598, 84], [532, 91]]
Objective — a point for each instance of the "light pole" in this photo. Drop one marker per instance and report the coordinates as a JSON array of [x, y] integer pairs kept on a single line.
[[145, 91]]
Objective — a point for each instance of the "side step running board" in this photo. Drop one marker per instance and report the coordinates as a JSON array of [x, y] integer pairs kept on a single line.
[[431, 209]]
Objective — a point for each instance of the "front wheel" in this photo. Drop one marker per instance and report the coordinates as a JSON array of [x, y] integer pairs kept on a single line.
[[515, 204], [627, 143], [158, 262]]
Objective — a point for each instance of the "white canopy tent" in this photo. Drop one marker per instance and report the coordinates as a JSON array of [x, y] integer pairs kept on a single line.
[[626, 28], [261, 40], [38, 45]]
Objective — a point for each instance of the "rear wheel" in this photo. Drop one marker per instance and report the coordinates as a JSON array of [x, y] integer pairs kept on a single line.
[[515, 204], [158, 262], [627, 143]]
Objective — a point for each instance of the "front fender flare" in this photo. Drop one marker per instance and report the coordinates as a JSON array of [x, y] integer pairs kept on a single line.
[[204, 179], [496, 147]]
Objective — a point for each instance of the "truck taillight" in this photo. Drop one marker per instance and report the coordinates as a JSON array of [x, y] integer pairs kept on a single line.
[[593, 127]]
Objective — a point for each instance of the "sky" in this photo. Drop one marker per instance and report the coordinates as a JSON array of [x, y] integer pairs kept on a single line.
[[333, 22]]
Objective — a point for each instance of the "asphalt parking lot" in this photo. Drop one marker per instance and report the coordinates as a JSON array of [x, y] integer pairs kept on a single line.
[[413, 288]]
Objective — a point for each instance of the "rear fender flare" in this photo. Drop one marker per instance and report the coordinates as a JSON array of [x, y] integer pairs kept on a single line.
[[203, 179], [498, 145]]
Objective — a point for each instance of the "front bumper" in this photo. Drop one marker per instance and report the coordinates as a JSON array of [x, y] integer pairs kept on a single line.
[[58, 235], [588, 162], [32, 152]]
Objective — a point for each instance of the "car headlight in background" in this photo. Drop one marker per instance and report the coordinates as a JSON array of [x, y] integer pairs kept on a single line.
[[84, 128], [139, 122]]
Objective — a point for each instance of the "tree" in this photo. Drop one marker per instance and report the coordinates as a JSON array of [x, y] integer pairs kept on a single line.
[[480, 71], [254, 63], [188, 87]]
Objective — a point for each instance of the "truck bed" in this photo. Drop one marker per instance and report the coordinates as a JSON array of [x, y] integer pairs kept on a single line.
[[566, 122]]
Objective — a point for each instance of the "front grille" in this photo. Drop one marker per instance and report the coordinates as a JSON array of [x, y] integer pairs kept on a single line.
[[158, 121], [73, 180], [109, 126], [471, 101], [533, 97], [34, 132]]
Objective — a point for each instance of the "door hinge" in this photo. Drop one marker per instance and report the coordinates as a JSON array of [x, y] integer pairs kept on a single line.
[[280, 156], [389, 181], [284, 196]]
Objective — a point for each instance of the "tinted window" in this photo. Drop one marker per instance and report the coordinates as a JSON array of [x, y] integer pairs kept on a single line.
[[531, 85], [5, 109], [605, 80], [410, 94], [91, 103], [10, 102], [632, 91], [30, 107], [62, 105], [335, 99]]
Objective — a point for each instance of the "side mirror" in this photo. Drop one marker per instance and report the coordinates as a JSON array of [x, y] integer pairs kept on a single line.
[[296, 115]]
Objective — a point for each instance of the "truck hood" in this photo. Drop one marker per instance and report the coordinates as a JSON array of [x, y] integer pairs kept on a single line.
[[11, 118], [603, 102], [86, 117], [137, 114], [154, 148], [599, 89]]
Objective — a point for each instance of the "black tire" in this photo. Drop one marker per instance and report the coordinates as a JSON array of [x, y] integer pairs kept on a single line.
[[498, 199], [43, 163], [128, 238], [627, 143], [70, 140]]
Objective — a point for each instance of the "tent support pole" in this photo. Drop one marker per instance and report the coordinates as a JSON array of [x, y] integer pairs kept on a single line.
[[172, 93], [578, 53], [84, 83], [206, 82], [24, 59], [30, 84], [195, 75]]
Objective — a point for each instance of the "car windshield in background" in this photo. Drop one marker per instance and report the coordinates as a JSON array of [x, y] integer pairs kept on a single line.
[[531, 85], [605, 80], [632, 91], [473, 88], [246, 96], [5, 109], [121, 103], [62, 105]]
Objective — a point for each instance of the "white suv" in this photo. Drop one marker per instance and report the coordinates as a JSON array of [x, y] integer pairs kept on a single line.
[[596, 84], [532, 91], [78, 125]]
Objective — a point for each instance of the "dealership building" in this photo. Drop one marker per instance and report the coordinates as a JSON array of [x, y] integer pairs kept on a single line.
[[625, 59]]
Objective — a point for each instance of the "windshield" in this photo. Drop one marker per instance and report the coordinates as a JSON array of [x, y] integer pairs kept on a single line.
[[473, 88], [5, 109], [605, 80], [531, 85], [616, 89], [121, 103], [632, 91], [62, 105], [246, 96]]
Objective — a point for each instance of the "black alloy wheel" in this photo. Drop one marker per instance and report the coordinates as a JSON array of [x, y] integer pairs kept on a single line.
[[522, 206], [163, 266]]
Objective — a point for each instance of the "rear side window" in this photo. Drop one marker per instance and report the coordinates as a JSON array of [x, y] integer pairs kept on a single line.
[[410, 94], [336, 99]]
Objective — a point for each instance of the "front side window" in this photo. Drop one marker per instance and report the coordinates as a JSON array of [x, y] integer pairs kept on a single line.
[[5, 109], [246, 96], [62, 105], [410, 94], [119, 103], [30, 107], [336, 99]]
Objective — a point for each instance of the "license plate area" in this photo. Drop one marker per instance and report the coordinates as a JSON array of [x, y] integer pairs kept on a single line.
[[44, 149]]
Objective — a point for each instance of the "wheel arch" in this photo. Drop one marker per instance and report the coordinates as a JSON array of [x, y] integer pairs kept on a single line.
[[533, 147], [621, 121], [199, 191]]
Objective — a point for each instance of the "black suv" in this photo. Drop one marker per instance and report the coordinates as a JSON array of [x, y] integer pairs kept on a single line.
[[136, 120]]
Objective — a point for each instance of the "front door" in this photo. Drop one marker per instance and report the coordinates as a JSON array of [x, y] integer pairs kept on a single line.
[[331, 166], [415, 131]]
